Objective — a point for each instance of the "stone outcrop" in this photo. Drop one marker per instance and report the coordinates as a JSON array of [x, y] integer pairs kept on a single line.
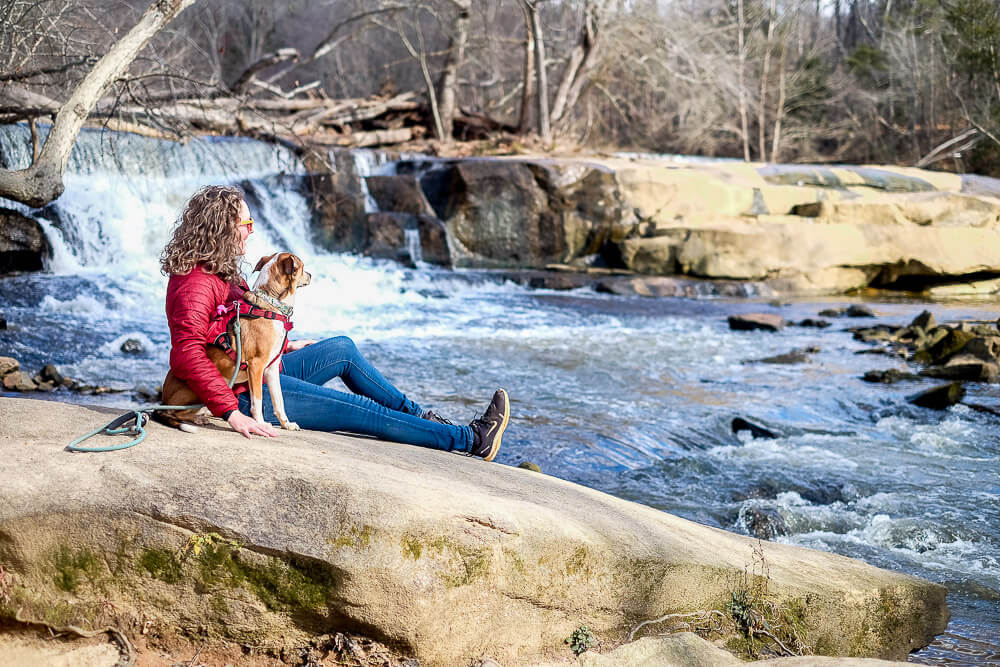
[[23, 245], [514, 213], [799, 228], [449, 559]]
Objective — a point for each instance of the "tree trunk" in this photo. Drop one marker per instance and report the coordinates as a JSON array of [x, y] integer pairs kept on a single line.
[[779, 110], [449, 77], [742, 75], [542, 93], [527, 76], [765, 71], [582, 60], [42, 182], [421, 57]]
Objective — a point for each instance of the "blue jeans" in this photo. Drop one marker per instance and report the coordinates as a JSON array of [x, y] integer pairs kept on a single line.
[[375, 408]]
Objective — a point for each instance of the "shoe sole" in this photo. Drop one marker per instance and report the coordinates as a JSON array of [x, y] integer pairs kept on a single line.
[[503, 425]]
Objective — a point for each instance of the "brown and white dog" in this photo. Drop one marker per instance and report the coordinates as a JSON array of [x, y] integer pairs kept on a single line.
[[263, 341]]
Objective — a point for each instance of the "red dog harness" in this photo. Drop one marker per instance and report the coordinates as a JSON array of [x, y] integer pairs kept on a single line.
[[218, 329]]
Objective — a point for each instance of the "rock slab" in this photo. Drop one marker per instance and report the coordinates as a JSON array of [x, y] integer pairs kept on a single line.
[[270, 543]]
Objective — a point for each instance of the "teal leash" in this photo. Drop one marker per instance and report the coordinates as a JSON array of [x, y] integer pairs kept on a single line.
[[118, 425]]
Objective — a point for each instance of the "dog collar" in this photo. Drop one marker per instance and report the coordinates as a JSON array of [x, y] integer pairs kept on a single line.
[[264, 300]]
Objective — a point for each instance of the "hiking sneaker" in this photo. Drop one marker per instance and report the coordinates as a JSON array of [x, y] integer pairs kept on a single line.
[[432, 416], [488, 429]]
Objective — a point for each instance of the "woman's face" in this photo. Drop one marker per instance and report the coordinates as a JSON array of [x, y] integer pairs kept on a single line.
[[244, 230]]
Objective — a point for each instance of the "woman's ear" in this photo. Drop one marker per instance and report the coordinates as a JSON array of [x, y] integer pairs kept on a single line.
[[263, 261]]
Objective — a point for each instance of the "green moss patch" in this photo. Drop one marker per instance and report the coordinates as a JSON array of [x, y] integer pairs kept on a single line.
[[161, 564], [72, 568]]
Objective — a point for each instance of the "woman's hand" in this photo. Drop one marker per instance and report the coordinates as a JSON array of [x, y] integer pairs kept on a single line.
[[294, 345], [248, 426]]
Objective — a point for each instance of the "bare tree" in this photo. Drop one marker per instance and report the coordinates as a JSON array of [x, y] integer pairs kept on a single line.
[[583, 58], [43, 180], [454, 60], [541, 76]]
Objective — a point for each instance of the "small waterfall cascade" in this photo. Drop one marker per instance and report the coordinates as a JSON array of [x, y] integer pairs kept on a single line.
[[369, 163], [124, 192], [411, 238]]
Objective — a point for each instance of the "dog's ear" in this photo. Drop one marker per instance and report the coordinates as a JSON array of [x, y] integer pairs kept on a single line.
[[290, 264], [263, 261]]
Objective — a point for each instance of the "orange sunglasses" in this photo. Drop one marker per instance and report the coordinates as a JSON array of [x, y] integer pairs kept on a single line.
[[249, 223]]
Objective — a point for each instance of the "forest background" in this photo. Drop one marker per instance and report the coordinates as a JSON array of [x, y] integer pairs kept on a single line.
[[911, 82]]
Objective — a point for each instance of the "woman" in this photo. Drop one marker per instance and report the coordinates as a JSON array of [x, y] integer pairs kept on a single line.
[[203, 259]]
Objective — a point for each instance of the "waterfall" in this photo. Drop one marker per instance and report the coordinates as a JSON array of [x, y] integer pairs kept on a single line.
[[411, 238]]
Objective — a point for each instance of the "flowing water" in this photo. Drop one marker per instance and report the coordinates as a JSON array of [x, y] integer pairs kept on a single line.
[[631, 396]]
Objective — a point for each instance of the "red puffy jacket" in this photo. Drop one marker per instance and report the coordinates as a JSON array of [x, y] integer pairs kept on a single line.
[[192, 301]]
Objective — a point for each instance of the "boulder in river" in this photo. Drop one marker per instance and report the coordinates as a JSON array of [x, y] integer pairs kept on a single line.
[[801, 356], [859, 310], [925, 320], [739, 424], [761, 321], [19, 381], [132, 346], [890, 376], [965, 367], [275, 542], [763, 522], [939, 397], [23, 245], [814, 323], [8, 365]]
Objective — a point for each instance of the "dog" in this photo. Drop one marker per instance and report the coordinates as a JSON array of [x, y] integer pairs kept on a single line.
[[264, 325]]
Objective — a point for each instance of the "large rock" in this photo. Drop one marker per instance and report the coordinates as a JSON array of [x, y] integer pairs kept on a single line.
[[339, 200], [526, 214], [821, 229], [268, 542], [23, 245]]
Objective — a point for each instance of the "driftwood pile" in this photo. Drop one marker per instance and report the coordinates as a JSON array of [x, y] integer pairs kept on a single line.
[[315, 119], [350, 122]]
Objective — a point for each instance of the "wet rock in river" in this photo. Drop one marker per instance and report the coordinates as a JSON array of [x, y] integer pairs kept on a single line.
[[793, 357], [763, 522], [940, 397], [8, 365], [942, 344], [986, 348], [877, 334], [890, 376], [740, 424], [751, 321], [558, 281], [817, 324], [832, 312], [965, 367], [50, 373], [858, 310], [924, 321], [132, 346], [19, 381]]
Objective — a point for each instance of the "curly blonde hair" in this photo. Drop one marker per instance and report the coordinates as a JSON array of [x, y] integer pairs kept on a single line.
[[207, 234]]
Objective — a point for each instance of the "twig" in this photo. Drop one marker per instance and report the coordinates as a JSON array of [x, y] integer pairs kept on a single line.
[[706, 613], [126, 650]]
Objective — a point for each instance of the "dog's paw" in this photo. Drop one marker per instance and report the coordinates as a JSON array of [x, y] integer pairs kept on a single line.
[[291, 426], [188, 428]]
